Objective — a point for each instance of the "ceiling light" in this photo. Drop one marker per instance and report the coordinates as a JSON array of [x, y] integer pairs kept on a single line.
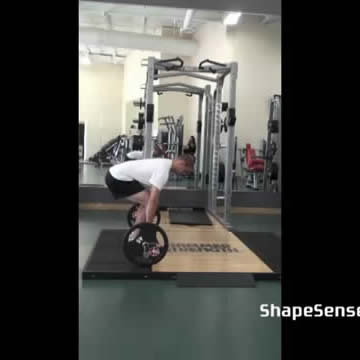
[[232, 18], [188, 16]]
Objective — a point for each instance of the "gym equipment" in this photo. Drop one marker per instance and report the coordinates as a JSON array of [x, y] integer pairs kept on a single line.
[[274, 171], [81, 152], [136, 142], [215, 111], [107, 259], [242, 253], [188, 217], [221, 255], [112, 152], [81, 141], [223, 126], [222, 167], [255, 167], [273, 126], [139, 103], [221, 172], [140, 243], [190, 148], [140, 121], [205, 169], [234, 177], [143, 246], [159, 150], [221, 179], [272, 168], [131, 216], [171, 136], [210, 62], [158, 69], [168, 64]]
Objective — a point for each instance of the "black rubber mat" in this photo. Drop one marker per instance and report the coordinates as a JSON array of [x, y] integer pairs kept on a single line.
[[267, 246], [107, 260], [189, 217], [215, 280]]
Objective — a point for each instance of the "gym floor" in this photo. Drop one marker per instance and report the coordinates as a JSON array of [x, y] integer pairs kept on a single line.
[[133, 319], [92, 175]]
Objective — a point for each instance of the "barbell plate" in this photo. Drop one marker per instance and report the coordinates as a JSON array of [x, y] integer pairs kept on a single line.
[[142, 245]]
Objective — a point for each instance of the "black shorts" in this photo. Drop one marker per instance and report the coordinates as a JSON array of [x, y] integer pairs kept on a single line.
[[120, 189]]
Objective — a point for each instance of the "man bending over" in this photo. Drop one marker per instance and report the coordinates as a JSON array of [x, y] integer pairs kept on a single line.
[[141, 181]]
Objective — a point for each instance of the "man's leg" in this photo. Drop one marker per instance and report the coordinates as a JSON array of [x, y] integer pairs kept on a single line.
[[140, 198], [140, 214]]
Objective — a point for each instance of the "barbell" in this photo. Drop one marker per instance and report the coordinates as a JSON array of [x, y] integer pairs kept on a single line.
[[131, 216], [144, 244]]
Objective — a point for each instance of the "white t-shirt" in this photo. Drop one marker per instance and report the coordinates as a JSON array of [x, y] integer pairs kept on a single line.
[[135, 155], [146, 171]]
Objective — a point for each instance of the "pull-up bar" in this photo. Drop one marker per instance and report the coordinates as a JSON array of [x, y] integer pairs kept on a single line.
[[180, 73], [182, 85]]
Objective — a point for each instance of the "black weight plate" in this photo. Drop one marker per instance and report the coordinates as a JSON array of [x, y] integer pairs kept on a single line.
[[142, 247]]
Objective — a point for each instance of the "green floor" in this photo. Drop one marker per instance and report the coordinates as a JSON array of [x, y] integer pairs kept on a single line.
[[155, 320]]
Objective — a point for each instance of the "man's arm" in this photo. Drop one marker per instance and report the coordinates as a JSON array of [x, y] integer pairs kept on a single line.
[[153, 204]]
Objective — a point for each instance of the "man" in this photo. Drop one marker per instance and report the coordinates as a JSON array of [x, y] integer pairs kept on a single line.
[[141, 181], [190, 148]]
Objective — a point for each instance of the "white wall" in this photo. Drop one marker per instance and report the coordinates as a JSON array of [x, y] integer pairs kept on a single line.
[[100, 104], [257, 49], [134, 79]]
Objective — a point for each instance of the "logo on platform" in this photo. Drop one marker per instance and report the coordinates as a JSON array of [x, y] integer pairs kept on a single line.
[[202, 248]]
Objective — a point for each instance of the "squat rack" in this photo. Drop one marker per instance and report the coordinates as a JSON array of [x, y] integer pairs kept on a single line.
[[159, 69]]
